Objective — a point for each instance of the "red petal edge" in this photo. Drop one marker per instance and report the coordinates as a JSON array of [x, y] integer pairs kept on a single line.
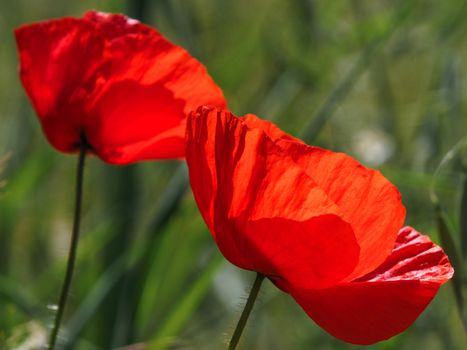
[[386, 301]]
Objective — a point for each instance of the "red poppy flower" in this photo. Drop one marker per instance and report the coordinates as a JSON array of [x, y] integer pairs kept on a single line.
[[121, 83], [320, 225]]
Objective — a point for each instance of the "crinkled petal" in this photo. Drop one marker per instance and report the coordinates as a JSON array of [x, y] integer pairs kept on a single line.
[[366, 198], [265, 213], [271, 129], [386, 301]]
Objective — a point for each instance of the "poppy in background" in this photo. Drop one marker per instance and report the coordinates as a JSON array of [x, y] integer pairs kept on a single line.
[[115, 81], [317, 223]]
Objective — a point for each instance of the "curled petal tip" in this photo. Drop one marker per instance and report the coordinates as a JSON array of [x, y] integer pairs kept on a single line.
[[388, 300]]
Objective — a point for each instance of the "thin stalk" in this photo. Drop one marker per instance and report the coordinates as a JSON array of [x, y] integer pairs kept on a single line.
[[246, 311], [73, 244]]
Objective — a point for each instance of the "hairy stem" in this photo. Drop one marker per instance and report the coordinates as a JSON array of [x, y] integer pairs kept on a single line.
[[246, 311]]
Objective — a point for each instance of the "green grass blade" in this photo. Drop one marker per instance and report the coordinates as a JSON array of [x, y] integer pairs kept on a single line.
[[463, 219], [12, 291], [342, 89], [185, 308], [449, 246], [91, 304]]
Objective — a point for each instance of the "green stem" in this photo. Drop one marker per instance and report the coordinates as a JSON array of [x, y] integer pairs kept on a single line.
[[73, 244], [246, 311]]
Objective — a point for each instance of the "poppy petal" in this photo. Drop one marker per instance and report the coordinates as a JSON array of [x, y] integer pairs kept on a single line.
[[155, 67], [55, 58], [366, 198], [270, 129], [265, 213], [121, 82], [385, 302]]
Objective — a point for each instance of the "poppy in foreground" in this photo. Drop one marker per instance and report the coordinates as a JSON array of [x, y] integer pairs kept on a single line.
[[318, 224], [113, 81]]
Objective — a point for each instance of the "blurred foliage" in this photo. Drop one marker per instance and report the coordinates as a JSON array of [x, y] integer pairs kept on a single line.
[[384, 81]]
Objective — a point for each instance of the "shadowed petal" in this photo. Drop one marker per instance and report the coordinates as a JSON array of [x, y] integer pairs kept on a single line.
[[368, 201]]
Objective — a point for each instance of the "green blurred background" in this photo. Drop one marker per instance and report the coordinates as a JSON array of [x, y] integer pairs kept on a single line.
[[384, 81]]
